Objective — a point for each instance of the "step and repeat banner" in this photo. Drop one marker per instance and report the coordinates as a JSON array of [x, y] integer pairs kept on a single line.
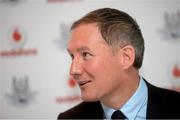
[[34, 63]]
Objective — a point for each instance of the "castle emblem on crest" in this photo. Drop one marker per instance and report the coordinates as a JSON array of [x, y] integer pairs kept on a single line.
[[61, 42], [21, 94], [171, 28]]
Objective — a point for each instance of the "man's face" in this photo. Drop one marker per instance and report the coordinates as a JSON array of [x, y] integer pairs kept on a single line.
[[94, 66]]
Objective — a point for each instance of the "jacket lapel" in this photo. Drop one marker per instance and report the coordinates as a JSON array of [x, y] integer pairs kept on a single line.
[[98, 110]]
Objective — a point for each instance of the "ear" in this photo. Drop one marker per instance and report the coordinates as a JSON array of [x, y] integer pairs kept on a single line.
[[127, 56]]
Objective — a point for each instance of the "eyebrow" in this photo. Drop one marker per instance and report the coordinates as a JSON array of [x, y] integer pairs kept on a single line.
[[79, 49], [82, 48]]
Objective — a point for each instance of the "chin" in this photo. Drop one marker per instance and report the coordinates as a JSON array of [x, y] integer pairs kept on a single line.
[[88, 98]]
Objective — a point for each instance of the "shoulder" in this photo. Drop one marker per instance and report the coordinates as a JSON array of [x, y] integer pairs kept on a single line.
[[83, 110], [162, 93], [162, 103]]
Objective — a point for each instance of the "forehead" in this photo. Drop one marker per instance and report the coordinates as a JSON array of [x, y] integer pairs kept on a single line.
[[85, 35]]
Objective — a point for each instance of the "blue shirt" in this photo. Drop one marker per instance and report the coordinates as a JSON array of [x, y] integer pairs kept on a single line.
[[136, 106]]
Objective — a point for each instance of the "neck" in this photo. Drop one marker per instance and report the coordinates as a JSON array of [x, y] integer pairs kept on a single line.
[[125, 89]]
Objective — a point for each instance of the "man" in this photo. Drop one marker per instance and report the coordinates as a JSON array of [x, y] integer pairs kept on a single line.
[[107, 47]]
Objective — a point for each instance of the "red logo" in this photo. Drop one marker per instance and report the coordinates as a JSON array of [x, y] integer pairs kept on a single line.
[[16, 39], [176, 71], [16, 35], [73, 96], [72, 83], [175, 76]]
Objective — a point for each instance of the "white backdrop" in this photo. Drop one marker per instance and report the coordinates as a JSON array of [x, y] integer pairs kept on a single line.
[[34, 64]]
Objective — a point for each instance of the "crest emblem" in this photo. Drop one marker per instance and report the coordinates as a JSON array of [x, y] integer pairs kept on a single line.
[[64, 35], [21, 94], [17, 37], [171, 28]]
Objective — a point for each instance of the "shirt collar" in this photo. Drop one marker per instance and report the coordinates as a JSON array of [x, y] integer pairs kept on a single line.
[[133, 105]]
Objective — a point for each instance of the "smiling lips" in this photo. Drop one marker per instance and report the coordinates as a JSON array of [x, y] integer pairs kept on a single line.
[[82, 83]]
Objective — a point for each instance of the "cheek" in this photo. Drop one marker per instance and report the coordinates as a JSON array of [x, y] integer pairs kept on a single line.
[[103, 78], [102, 71], [95, 68]]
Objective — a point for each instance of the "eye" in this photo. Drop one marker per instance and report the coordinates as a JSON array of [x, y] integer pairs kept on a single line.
[[72, 56], [86, 55]]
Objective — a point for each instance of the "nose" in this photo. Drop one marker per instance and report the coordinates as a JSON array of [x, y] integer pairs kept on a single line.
[[76, 69]]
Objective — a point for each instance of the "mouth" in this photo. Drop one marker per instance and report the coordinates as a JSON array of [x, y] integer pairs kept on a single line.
[[83, 83]]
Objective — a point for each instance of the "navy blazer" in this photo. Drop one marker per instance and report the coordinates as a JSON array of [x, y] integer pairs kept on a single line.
[[162, 103]]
